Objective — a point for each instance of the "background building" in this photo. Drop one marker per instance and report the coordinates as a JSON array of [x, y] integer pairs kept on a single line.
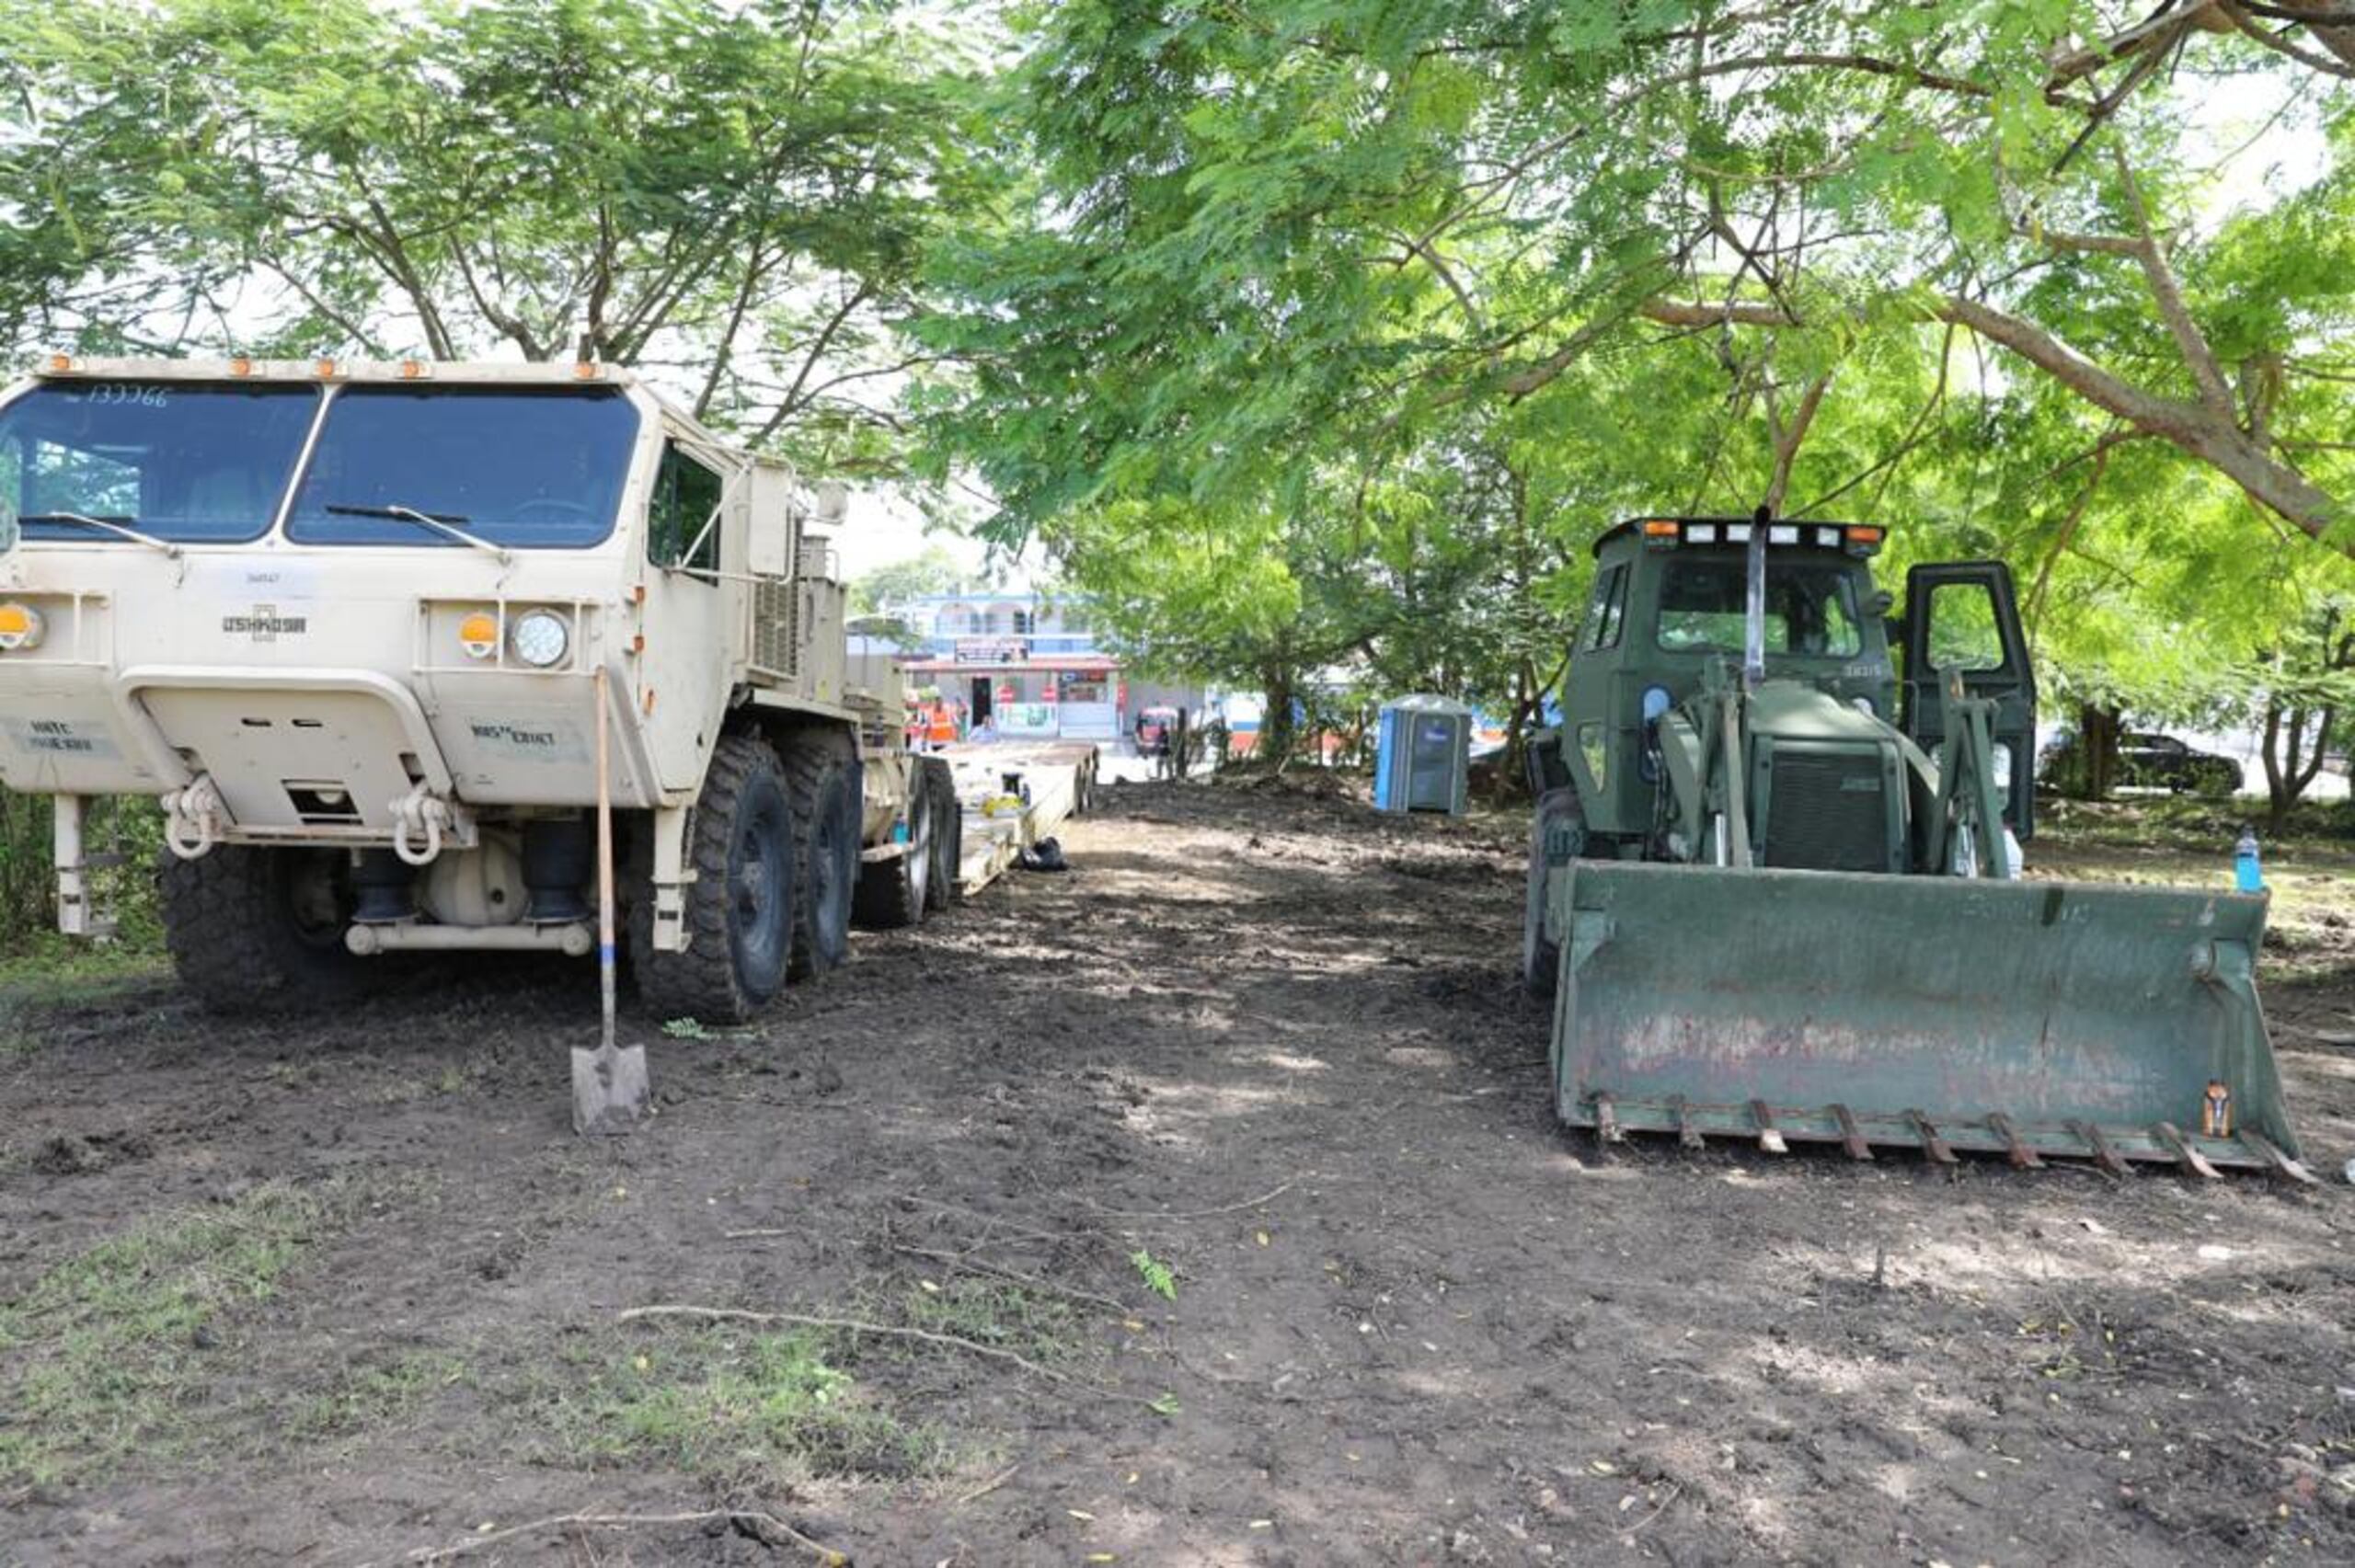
[[1031, 666]]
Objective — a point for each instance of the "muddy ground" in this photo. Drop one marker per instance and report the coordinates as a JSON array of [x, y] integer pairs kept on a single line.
[[1234, 1136]]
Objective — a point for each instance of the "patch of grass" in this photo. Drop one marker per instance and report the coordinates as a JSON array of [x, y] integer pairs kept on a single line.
[[108, 1354], [367, 1399], [47, 970], [1003, 1316], [768, 1407]]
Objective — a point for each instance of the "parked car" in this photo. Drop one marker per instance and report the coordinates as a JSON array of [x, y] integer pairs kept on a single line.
[[2147, 760]]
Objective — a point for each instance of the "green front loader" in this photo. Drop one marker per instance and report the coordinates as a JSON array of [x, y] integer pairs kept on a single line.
[[1775, 885]]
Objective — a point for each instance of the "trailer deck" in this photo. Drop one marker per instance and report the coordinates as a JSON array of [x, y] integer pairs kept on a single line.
[[1015, 794]]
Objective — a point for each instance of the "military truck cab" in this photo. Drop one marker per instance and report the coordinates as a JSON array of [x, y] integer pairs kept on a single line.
[[351, 622]]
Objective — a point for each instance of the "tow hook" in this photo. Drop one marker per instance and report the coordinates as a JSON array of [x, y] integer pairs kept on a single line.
[[419, 818], [194, 818]]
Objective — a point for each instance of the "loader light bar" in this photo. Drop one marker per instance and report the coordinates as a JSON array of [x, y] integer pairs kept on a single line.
[[1856, 539]]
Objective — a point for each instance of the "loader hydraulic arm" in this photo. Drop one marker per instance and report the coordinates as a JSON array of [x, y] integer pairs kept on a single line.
[[1969, 841]]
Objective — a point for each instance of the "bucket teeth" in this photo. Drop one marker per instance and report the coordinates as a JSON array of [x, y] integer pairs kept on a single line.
[[1850, 1136], [2104, 1155], [2191, 1159], [1933, 1145]]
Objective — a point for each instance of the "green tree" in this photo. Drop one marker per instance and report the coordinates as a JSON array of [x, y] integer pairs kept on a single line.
[[931, 572], [736, 196]]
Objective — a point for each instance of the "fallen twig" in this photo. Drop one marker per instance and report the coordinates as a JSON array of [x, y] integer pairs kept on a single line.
[[985, 1488], [1267, 1196], [748, 1235], [740, 1518]]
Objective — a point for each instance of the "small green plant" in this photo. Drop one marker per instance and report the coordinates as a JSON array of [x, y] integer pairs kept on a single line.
[[1158, 1276], [686, 1029], [1165, 1405]]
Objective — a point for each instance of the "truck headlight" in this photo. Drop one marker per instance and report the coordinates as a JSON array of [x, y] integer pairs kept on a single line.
[[540, 637], [20, 627]]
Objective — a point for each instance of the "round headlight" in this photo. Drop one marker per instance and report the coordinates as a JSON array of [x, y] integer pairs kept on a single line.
[[540, 637]]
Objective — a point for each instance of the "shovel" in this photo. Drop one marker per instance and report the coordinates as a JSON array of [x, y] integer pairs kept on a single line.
[[610, 1091]]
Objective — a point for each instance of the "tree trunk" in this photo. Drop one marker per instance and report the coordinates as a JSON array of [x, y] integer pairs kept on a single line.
[[2097, 728], [1278, 735]]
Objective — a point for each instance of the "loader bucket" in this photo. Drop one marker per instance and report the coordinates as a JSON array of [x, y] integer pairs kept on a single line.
[[2027, 1019]]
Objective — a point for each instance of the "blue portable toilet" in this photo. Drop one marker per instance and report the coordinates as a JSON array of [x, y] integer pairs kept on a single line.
[[1422, 755]]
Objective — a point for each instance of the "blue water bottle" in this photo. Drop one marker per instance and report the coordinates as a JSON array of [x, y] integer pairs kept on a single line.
[[2245, 877]]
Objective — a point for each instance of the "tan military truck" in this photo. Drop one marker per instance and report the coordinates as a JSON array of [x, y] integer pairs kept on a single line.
[[347, 621]]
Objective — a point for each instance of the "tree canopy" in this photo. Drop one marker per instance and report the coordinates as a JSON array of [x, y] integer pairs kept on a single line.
[[1317, 333], [2007, 275]]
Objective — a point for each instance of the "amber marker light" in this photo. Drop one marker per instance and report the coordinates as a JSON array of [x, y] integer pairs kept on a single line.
[[479, 634], [20, 627]]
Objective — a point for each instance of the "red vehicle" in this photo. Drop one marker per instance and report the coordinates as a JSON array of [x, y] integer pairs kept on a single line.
[[1157, 727]]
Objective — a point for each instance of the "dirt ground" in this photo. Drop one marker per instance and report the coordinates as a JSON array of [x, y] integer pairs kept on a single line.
[[1220, 1171]]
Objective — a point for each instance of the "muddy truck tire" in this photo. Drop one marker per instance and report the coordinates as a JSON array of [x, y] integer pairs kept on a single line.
[[822, 781], [250, 927], [895, 893], [1557, 813], [742, 905], [947, 837]]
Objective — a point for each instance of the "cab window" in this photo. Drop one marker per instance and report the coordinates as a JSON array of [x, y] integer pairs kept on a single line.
[[1810, 610], [685, 494], [1963, 634], [1609, 609]]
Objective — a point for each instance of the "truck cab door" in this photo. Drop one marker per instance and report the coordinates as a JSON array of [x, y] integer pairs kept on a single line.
[[1962, 618]]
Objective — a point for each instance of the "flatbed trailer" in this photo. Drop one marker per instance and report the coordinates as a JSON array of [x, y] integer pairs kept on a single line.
[[1014, 795]]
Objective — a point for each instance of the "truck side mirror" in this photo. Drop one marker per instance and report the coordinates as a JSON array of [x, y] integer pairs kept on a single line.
[[769, 534]]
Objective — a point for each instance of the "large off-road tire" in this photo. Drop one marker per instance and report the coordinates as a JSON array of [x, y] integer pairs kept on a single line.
[[822, 779], [742, 905], [948, 841], [252, 928], [1557, 812], [892, 893]]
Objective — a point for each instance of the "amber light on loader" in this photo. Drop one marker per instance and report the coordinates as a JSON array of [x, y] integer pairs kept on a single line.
[[20, 627]]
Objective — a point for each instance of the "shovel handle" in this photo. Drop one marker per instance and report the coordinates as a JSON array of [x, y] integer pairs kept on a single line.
[[604, 870]]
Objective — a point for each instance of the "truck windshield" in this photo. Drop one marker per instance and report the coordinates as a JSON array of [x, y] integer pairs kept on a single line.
[[194, 462], [1810, 608], [530, 469]]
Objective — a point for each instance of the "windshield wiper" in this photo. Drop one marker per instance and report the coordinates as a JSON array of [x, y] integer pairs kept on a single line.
[[446, 525], [118, 526]]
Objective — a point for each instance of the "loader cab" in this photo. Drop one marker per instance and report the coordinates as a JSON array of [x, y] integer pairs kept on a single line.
[[1962, 622], [1669, 599]]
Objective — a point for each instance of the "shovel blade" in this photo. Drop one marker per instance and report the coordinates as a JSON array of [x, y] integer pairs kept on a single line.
[[610, 1091]]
